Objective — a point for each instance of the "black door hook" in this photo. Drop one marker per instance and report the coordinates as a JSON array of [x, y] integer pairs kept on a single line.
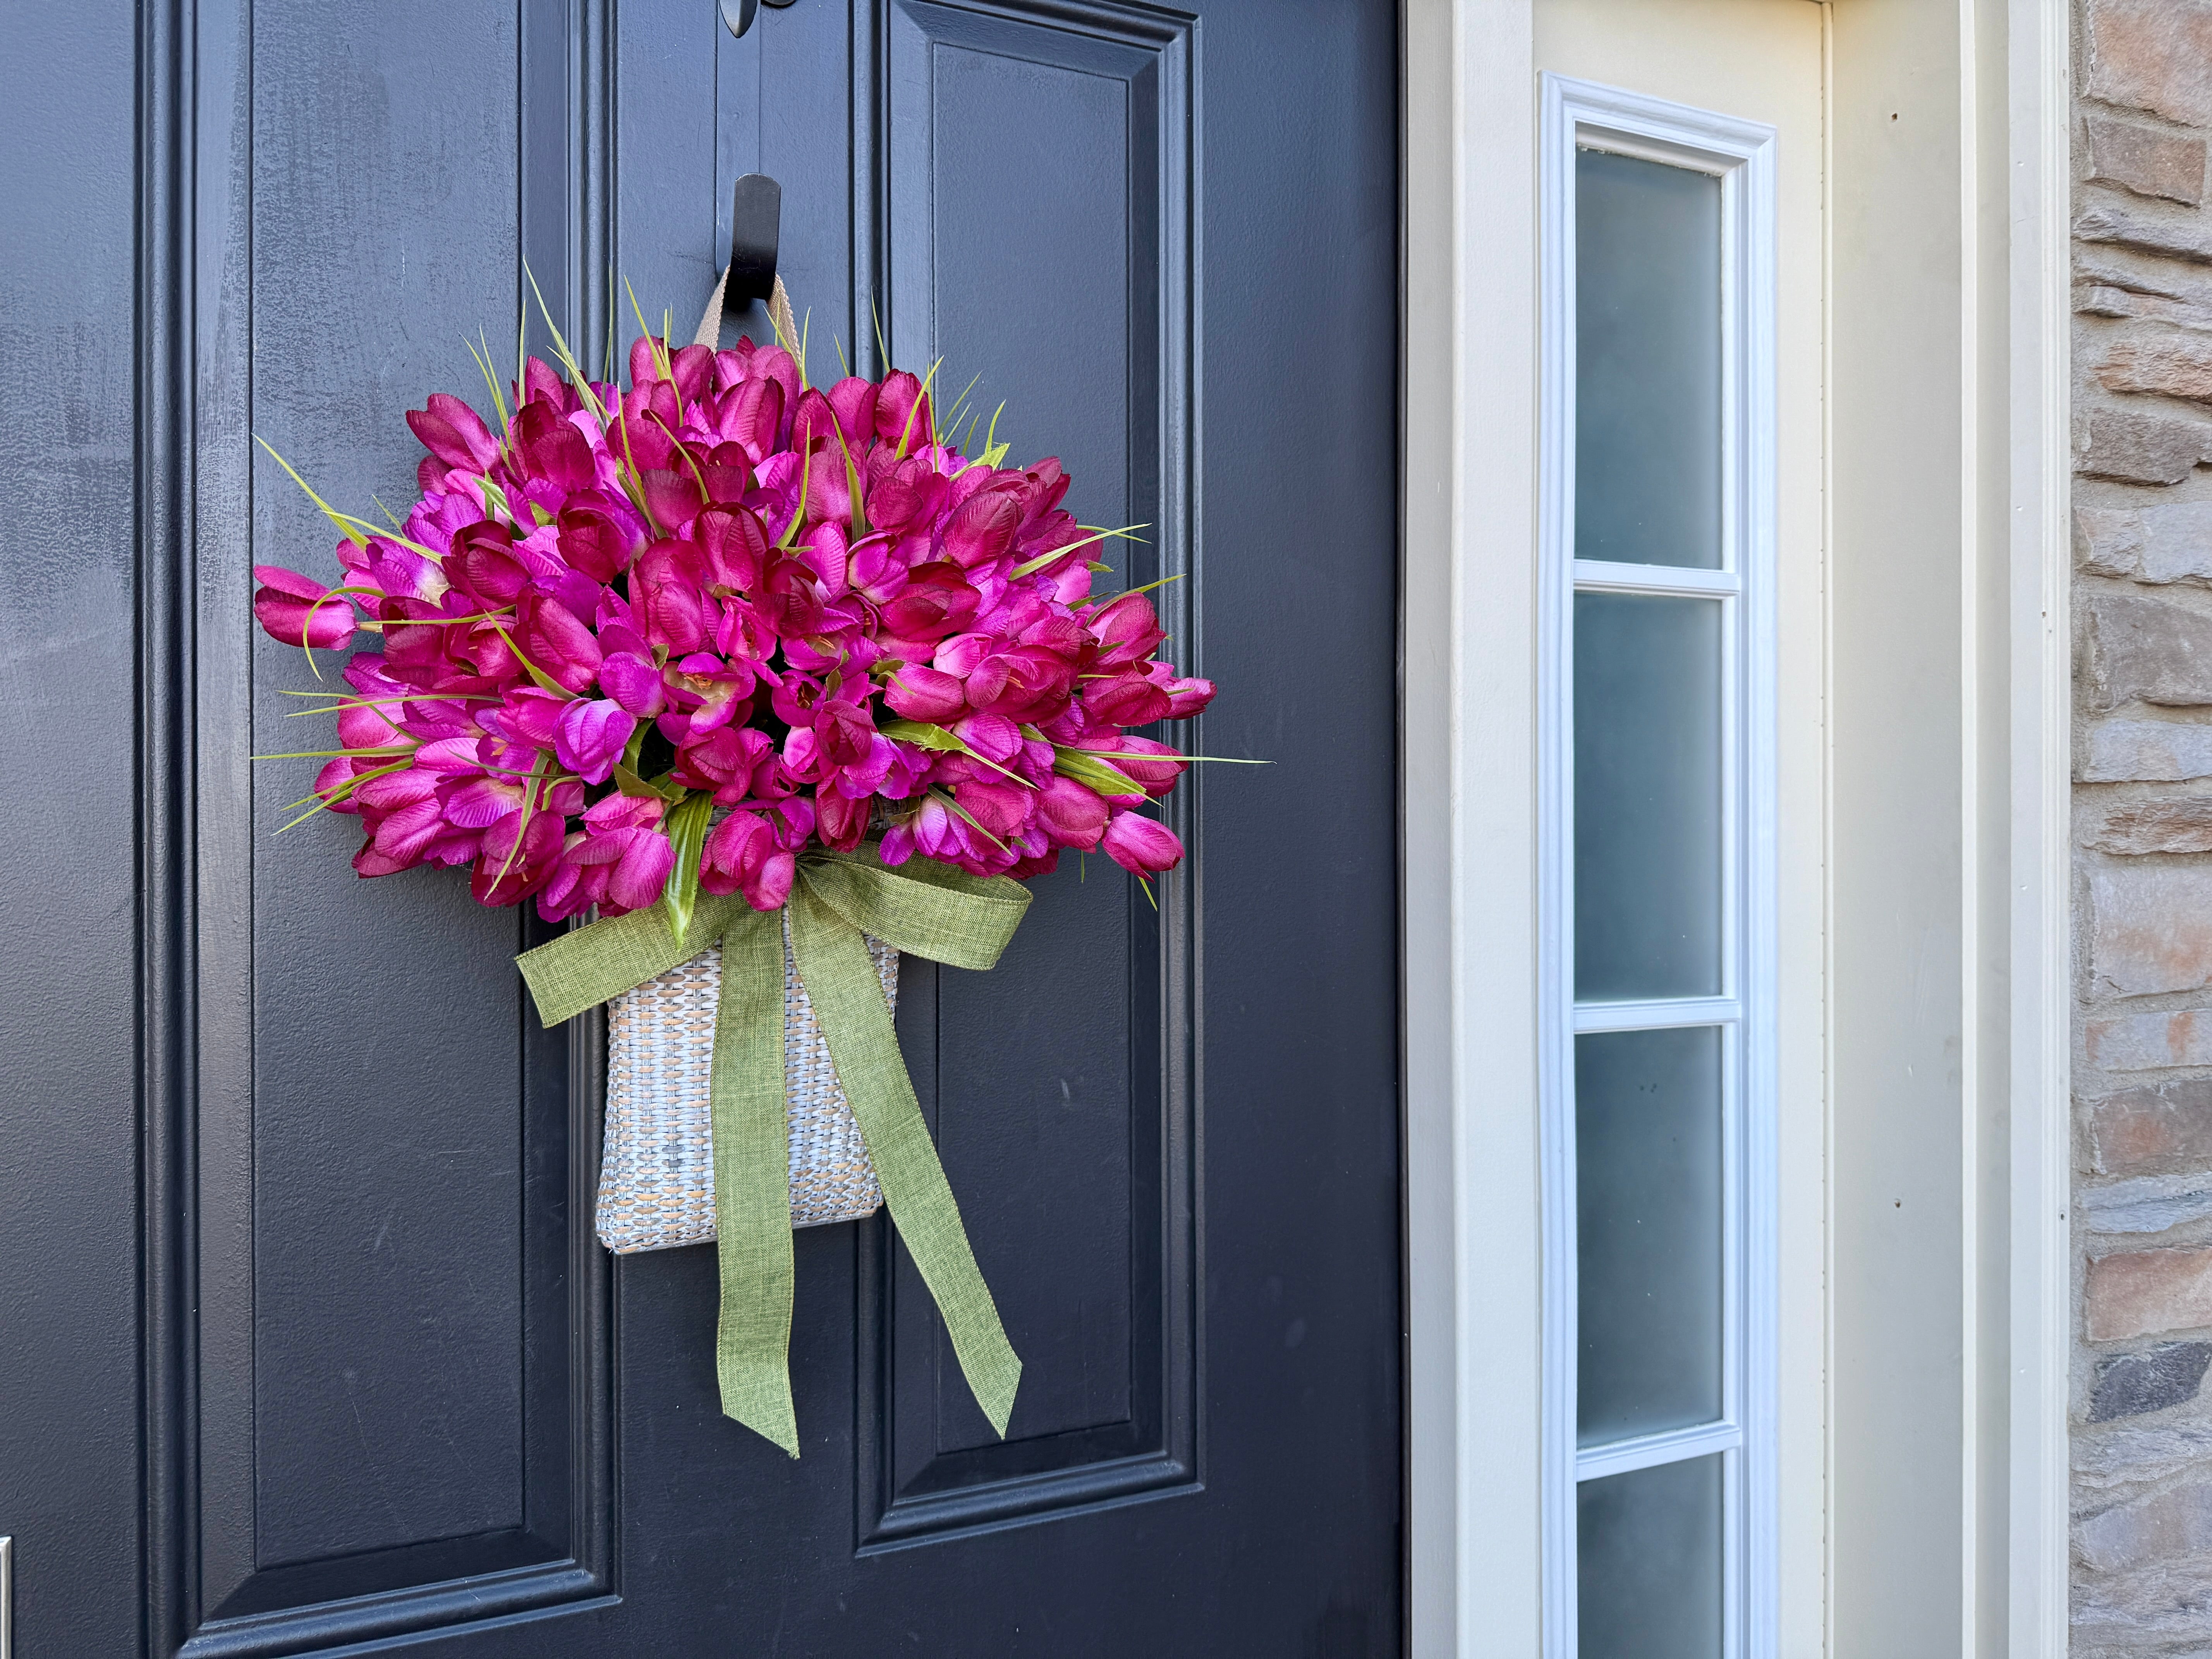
[[755, 220]]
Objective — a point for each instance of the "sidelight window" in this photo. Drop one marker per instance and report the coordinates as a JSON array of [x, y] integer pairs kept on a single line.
[[1659, 1093]]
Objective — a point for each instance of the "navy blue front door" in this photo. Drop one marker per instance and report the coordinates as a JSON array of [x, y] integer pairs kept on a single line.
[[307, 1344]]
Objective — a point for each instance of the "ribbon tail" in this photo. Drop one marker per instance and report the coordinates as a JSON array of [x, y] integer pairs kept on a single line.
[[832, 959], [752, 1182]]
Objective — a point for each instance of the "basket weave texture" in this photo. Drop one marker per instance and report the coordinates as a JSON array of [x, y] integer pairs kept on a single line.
[[657, 1177]]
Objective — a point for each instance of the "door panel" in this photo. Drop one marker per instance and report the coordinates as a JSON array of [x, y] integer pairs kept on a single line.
[[71, 975], [393, 1388], [1073, 299], [390, 1368]]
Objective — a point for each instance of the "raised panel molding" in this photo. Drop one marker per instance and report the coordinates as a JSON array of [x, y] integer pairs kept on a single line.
[[974, 120], [240, 1559]]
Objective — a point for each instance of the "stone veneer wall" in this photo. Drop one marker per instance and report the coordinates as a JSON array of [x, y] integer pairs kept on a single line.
[[2142, 820]]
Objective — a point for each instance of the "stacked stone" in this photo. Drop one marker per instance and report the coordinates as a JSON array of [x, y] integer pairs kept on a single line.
[[2143, 1211]]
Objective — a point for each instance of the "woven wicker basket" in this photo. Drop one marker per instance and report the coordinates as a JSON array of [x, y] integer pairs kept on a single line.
[[657, 1178]]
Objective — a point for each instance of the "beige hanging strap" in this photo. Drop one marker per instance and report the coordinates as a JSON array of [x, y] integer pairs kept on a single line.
[[779, 313]]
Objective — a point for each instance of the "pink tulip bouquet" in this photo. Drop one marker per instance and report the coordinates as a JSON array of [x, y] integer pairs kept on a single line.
[[638, 643]]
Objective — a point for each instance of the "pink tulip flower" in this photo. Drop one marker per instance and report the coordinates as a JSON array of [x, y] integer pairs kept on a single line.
[[591, 738], [1140, 845], [298, 610]]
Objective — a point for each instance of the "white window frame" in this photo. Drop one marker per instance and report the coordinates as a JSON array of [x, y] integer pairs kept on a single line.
[[1578, 115]]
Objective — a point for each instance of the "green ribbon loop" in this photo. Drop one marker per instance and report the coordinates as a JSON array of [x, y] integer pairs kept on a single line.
[[924, 908]]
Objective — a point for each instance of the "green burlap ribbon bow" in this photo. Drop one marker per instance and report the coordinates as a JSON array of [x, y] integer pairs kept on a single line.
[[922, 908]]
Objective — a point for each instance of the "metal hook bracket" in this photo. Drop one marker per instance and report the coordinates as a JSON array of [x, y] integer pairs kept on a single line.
[[756, 223]]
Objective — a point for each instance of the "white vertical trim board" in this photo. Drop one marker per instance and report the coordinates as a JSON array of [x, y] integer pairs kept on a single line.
[[1468, 766], [1578, 114], [2040, 573]]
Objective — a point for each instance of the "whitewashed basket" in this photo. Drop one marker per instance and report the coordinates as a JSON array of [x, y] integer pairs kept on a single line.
[[657, 1177]]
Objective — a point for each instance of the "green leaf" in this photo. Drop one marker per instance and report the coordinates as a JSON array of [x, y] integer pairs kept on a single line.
[[659, 347], [790, 538], [952, 415], [495, 500], [345, 522], [1093, 772], [340, 754], [530, 798], [860, 518], [577, 377], [686, 829], [1067, 547], [922, 736], [1218, 760], [490, 379], [629, 783]]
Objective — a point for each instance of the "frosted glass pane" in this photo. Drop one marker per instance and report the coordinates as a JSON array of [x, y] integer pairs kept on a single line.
[[1650, 1569], [1647, 796], [1648, 1230], [1647, 361]]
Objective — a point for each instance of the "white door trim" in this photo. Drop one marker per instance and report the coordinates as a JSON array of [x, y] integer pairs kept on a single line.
[[2039, 544], [1468, 601]]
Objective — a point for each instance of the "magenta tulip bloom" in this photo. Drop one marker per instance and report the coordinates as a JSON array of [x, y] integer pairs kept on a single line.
[[1140, 845], [993, 736], [551, 638], [454, 432], [301, 611], [528, 716], [484, 561], [923, 693], [939, 833], [1071, 815], [982, 530], [592, 542], [591, 738], [1186, 697], [1127, 629], [902, 418], [550, 449], [742, 856], [372, 725], [936, 601], [625, 857], [1126, 700], [840, 821], [723, 761]]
